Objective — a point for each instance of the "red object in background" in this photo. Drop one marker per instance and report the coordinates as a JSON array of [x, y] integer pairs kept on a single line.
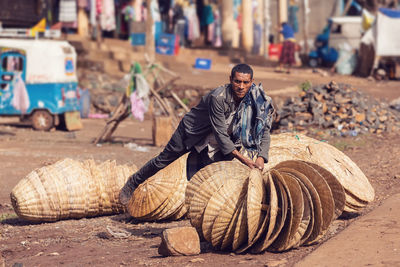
[[176, 50], [274, 51]]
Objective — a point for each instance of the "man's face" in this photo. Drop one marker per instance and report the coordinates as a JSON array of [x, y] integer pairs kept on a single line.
[[241, 83]]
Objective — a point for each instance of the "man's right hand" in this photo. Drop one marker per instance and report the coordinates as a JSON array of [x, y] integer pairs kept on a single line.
[[246, 161]]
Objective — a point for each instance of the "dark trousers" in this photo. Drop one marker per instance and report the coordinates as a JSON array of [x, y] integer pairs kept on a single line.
[[172, 151]]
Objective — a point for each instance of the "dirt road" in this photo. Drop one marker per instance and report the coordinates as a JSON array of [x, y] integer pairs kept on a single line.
[[85, 242]]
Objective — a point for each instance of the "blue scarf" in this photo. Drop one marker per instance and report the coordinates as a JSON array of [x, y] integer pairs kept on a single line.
[[254, 114]]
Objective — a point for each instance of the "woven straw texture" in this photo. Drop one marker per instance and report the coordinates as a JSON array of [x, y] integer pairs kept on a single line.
[[292, 203], [162, 196], [70, 189]]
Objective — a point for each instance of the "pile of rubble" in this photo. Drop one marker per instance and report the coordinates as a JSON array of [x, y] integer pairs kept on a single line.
[[339, 108]]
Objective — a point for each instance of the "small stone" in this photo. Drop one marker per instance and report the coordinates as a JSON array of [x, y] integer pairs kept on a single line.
[[360, 117], [383, 118], [179, 241], [274, 263], [54, 254], [396, 176], [197, 260]]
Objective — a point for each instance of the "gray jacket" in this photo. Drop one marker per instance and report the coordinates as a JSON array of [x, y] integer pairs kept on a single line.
[[210, 115]]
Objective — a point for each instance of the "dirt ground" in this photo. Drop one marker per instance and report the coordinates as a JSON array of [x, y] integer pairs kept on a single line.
[[85, 242]]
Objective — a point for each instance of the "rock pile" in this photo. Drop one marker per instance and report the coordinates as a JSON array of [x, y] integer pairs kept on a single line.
[[340, 108]]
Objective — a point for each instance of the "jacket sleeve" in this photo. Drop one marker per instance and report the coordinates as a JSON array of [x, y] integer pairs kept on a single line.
[[266, 138], [265, 144], [218, 125]]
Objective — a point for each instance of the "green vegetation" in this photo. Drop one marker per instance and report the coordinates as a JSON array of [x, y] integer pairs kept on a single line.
[[6, 216], [305, 86]]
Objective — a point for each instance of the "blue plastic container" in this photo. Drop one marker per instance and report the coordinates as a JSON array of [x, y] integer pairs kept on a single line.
[[203, 63], [165, 50], [166, 39], [138, 39]]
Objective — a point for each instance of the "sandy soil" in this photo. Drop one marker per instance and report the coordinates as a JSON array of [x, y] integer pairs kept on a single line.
[[85, 242]]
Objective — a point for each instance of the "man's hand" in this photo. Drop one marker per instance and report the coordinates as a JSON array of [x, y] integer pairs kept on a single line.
[[259, 164]]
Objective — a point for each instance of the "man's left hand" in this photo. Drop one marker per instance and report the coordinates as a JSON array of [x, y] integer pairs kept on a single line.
[[260, 163]]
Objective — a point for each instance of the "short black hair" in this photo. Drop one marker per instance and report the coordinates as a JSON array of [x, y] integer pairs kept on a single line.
[[242, 68]]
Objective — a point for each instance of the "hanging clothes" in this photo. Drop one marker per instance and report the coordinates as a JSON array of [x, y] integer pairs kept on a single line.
[[137, 107], [193, 31], [155, 11], [107, 16], [292, 18], [179, 23], [83, 4], [20, 99], [137, 5], [257, 37], [99, 6], [217, 38], [237, 4], [207, 16], [68, 11], [93, 11]]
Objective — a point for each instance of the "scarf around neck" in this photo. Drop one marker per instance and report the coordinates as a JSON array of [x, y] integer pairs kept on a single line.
[[253, 115]]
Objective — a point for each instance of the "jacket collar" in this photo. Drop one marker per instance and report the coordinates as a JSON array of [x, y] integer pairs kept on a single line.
[[229, 96]]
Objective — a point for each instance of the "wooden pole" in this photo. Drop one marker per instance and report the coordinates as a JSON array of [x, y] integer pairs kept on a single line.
[[83, 23], [259, 18], [228, 23], [267, 24], [150, 46], [305, 25], [247, 25]]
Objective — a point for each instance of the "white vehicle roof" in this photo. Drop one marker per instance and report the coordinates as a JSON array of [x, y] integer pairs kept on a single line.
[[45, 59], [347, 19]]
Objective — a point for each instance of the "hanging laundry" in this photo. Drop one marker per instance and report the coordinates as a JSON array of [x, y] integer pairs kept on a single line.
[[93, 12], [292, 16], [107, 17], [68, 11], [155, 11], [129, 13], [207, 16], [257, 38], [83, 3], [237, 4], [20, 99], [179, 23], [99, 6], [193, 22], [137, 5], [137, 107], [217, 40]]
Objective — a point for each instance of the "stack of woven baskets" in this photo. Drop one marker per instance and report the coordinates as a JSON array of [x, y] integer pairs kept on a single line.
[[70, 189], [162, 196], [303, 188]]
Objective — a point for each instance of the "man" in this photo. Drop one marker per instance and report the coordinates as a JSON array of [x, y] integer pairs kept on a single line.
[[231, 117]]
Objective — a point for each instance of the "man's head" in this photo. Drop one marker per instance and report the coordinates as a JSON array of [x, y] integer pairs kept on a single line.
[[241, 80]]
